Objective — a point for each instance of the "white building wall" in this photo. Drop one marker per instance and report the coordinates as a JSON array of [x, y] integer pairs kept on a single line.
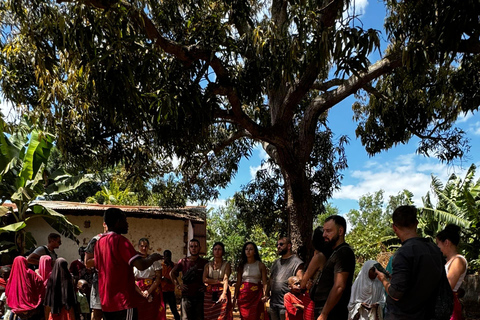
[[162, 233]]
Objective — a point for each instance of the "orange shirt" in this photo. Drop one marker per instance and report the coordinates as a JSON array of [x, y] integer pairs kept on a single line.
[[167, 283]]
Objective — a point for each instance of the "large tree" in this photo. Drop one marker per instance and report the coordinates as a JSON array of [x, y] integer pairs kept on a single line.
[[206, 80]]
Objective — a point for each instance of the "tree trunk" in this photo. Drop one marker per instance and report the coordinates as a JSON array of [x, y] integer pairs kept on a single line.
[[298, 205]]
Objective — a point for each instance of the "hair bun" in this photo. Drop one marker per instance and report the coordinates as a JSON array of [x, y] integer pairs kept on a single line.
[[453, 228]]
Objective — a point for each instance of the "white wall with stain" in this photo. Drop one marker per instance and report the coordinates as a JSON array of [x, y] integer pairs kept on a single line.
[[162, 233]]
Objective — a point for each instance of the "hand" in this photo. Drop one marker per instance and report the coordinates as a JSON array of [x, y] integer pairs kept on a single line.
[[380, 275], [322, 317], [222, 299], [366, 305], [145, 293], [182, 287], [309, 284], [265, 298]]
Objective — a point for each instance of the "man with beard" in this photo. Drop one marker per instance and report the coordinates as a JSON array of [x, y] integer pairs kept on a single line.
[[192, 286], [115, 258], [333, 289], [287, 266]]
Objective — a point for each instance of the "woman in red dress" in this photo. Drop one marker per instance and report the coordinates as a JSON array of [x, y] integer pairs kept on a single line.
[[251, 285], [217, 302], [151, 307]]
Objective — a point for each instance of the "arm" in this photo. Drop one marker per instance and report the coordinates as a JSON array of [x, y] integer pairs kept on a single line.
[[89, 260], [457, 268], [386, 284], [143, 263], [339, 284], [226, 276], [263, 270], [315, 264], [174, 276], [267, 286], [156, 283], [33, 258], [299, 273], [237, 285]]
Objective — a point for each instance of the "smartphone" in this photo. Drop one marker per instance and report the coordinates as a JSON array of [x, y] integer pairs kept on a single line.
[[379, 267]]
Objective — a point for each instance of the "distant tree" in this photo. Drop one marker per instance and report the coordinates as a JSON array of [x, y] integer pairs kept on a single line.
[[224, 225], [143, 82], [330, 210], [371, 232]]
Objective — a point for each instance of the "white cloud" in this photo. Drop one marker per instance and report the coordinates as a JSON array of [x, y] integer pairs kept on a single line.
[[261, 153], [253, 171], [215, 204], [403, 172], [464, 117], [360, 6], [475, 128]]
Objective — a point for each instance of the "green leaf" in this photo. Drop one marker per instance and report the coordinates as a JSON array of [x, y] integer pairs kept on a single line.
[[56, 220], [14, 227]]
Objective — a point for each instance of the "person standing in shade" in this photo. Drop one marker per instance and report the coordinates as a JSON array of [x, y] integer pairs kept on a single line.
[[148, 286], [115, 258], [332, 293], [168, 287], [60, 295], [251, 284], [54, 242], [288, 265], [218, 301], [95, 303], [418, 268], [192, 286]]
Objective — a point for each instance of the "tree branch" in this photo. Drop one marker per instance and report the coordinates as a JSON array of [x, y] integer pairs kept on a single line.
[[233, 137], [324, 86], [188, 55], [469, 46], [370, 89], [329, 99]]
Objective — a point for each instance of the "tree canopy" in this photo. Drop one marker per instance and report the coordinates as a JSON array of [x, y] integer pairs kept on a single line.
[[144, 82]]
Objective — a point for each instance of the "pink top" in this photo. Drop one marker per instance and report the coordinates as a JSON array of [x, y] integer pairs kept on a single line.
[[114, 255]]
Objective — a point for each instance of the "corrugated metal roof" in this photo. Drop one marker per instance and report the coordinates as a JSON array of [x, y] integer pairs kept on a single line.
[[193, 213]]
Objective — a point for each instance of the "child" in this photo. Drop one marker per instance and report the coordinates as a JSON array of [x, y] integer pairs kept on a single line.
[[293, 300], [82, 299]]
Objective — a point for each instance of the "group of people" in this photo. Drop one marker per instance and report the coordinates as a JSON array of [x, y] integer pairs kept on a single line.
[[130, 284]]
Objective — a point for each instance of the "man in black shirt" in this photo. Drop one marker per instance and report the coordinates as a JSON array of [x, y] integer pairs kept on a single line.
[[417, 270], [335, 284]]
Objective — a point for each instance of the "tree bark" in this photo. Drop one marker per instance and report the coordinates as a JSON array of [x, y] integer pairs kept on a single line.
[[298, 201]]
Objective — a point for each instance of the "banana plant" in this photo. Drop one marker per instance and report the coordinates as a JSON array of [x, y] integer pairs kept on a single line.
[[24, 152], [458, 202]]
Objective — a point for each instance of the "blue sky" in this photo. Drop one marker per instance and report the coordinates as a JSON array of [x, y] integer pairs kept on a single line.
[[394, 170]]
